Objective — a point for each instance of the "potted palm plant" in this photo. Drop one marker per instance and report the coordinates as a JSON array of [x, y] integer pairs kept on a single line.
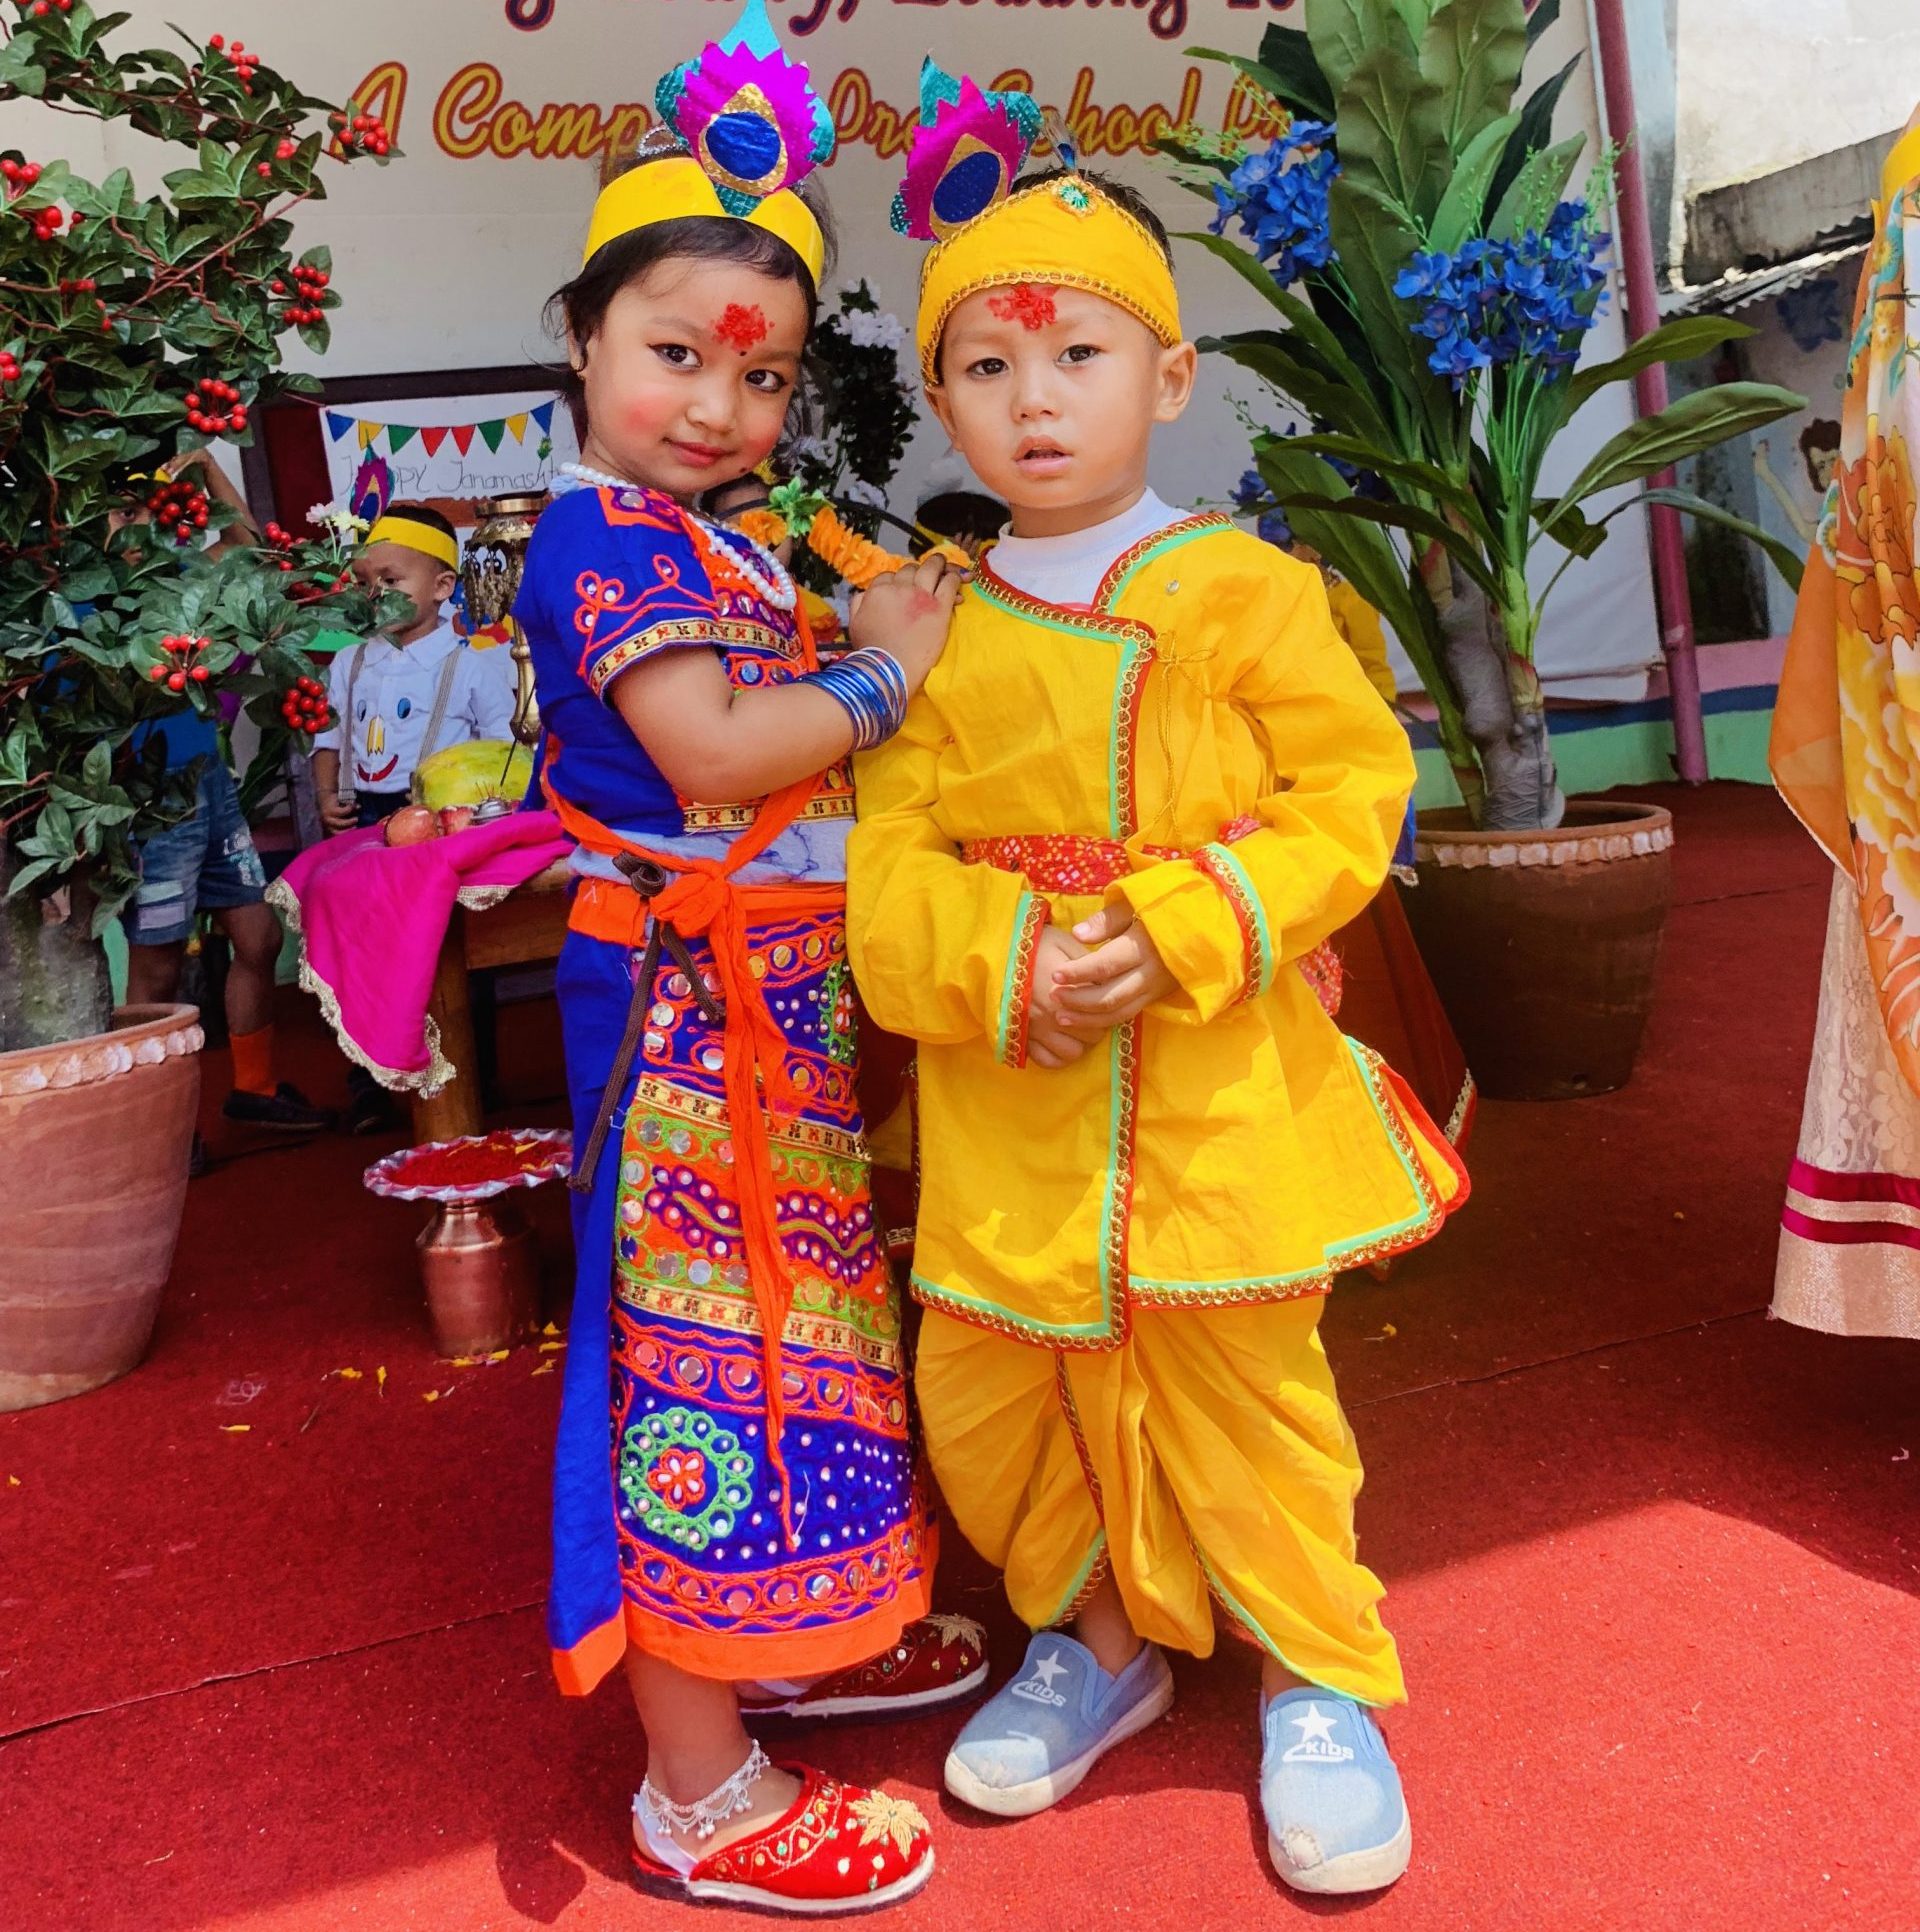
[[1433, 272], [134, 328]]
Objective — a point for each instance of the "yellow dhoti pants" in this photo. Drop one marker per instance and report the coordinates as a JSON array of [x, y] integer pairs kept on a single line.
[[1205, 1459]]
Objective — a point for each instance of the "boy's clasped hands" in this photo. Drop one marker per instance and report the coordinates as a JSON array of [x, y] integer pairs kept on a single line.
[[1088, 980]]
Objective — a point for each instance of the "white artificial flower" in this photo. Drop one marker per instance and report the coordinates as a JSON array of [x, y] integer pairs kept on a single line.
[[810, 449], [319, 512], [872, 329], [856, 489]]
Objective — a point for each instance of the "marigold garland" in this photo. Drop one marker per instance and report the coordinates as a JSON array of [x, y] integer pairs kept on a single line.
[[858, 559]]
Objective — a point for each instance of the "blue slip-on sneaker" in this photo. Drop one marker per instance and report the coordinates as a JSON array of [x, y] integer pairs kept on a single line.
[[1336, 1816], [1037, 1737]]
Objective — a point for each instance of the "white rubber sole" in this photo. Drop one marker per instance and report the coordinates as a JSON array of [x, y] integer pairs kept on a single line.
[[1360, 1871], [751, 1898], [1024, 1800], [874, 1706]]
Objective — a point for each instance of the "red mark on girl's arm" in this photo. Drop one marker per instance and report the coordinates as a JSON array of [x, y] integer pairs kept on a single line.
[[1028, 303], [741, 326]]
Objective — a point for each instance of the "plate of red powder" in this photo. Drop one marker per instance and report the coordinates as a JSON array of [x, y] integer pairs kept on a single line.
[[474, 1167]]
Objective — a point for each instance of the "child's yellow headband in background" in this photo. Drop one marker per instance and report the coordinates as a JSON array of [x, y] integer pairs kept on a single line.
[[751, 129], [411, 534], [1064, 233]]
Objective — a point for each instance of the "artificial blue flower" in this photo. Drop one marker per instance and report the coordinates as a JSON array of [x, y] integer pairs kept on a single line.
[[1528, 300], [1279, 195]]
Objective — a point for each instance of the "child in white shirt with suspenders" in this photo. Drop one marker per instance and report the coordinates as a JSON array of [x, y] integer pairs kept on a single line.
[[399, 698]]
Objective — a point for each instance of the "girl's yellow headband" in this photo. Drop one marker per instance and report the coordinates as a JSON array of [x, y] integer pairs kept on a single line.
[[676, 186], [752, 129], [411, 534], [1064, 233]]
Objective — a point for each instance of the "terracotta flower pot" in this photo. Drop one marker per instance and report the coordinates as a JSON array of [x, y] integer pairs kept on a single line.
[[96, 1133], [1544, 944]]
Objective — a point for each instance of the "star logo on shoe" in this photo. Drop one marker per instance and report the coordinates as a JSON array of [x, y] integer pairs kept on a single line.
[[1039, 1688], [1315, 1744]]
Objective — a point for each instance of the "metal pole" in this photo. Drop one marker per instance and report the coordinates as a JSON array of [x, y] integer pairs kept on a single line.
[[1650, 390]]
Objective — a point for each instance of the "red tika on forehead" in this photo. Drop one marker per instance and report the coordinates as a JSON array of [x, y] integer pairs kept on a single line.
[[1028, 303], [741, 326]]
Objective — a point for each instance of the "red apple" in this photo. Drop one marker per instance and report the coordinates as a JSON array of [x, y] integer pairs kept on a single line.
[[411, 824]]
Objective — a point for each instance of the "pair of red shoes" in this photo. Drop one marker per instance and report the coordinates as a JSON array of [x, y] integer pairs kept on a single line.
[[838, 1847]]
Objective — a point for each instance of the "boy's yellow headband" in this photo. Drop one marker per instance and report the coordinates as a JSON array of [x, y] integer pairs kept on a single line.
[[1064, 233], [397, 527], [678, 186]]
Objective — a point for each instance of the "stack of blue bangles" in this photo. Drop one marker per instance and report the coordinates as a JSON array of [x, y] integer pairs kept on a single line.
[[871, 688]]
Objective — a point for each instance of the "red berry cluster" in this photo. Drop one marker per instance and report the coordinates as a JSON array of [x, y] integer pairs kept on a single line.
[[214, 408], [304, 707], [309, 290], [184, 667], [39, 9], [366, 132], [245, 65], [180, 509], [9, 368], [278, 537], [18, 175], [83, 285]]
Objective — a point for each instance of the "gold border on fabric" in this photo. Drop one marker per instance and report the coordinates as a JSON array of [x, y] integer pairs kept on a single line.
[[721, 632]]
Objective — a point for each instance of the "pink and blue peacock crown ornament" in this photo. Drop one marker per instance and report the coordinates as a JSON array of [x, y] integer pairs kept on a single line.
[[967, 153], [747, 114]]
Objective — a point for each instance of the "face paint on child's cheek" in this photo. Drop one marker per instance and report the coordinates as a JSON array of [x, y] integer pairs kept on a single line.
[[1028, 303], [741, 326]]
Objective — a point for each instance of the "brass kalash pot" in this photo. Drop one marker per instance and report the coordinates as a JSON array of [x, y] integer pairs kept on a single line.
[[490, 576]]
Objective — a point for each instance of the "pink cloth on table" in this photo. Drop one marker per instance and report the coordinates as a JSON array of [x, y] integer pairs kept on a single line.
[[373, 917]]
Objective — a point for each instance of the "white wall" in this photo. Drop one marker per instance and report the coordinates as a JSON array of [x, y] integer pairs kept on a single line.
[[1768, 83]]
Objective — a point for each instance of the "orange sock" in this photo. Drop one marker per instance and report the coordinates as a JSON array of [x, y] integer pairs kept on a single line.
[[253, 1061]]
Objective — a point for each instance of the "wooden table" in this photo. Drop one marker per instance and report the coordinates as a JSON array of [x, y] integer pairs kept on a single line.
[[524, 929]]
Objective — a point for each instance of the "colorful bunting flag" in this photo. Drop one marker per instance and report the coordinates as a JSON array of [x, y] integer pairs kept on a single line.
[[493, 432]]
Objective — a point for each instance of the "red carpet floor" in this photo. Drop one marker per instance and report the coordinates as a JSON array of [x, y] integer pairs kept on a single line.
[[270, 1652]]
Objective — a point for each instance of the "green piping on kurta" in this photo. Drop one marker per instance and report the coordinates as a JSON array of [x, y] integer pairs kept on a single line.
[[1426, 1213], [1003, 1026], [1265, 963]]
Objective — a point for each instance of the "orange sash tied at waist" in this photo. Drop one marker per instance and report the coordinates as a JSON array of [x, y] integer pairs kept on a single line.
[[705, 900]]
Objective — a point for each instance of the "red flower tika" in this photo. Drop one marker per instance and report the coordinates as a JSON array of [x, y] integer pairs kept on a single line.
[[741, 326], [1028, 303]]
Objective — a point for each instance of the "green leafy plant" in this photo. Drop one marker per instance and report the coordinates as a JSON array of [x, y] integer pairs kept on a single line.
[[1432, 283], [136, 329]]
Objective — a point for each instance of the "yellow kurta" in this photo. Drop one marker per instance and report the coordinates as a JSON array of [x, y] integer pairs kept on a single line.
[[1122, 1259], [1231, 1146]]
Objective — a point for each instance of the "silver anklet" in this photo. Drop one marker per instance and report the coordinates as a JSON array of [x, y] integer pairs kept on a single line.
[[702, 1817]]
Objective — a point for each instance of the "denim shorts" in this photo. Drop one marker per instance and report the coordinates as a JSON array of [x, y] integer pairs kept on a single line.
[[206, 863]]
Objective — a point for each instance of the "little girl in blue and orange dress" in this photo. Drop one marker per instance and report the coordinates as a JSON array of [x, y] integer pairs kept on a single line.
[[736, 1512]]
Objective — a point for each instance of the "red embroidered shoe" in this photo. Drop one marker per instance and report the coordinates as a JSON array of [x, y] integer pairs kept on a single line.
[[931, 1662], [836, 1848]]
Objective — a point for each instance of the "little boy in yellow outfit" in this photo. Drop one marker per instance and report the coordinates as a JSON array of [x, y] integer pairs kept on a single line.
[[1145, 779]]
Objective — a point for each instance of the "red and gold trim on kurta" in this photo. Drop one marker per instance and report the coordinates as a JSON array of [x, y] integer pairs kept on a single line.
[[1016, 1003]]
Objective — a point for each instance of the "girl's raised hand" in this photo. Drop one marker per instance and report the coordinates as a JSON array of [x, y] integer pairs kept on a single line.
[[909, 613]]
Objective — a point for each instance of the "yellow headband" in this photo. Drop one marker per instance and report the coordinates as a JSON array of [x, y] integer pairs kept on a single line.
[[397, 527], [673, 188], [1064, 233]]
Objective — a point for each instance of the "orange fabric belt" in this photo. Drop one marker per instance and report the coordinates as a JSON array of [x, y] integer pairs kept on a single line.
[[705, 901], [1068, 862]]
